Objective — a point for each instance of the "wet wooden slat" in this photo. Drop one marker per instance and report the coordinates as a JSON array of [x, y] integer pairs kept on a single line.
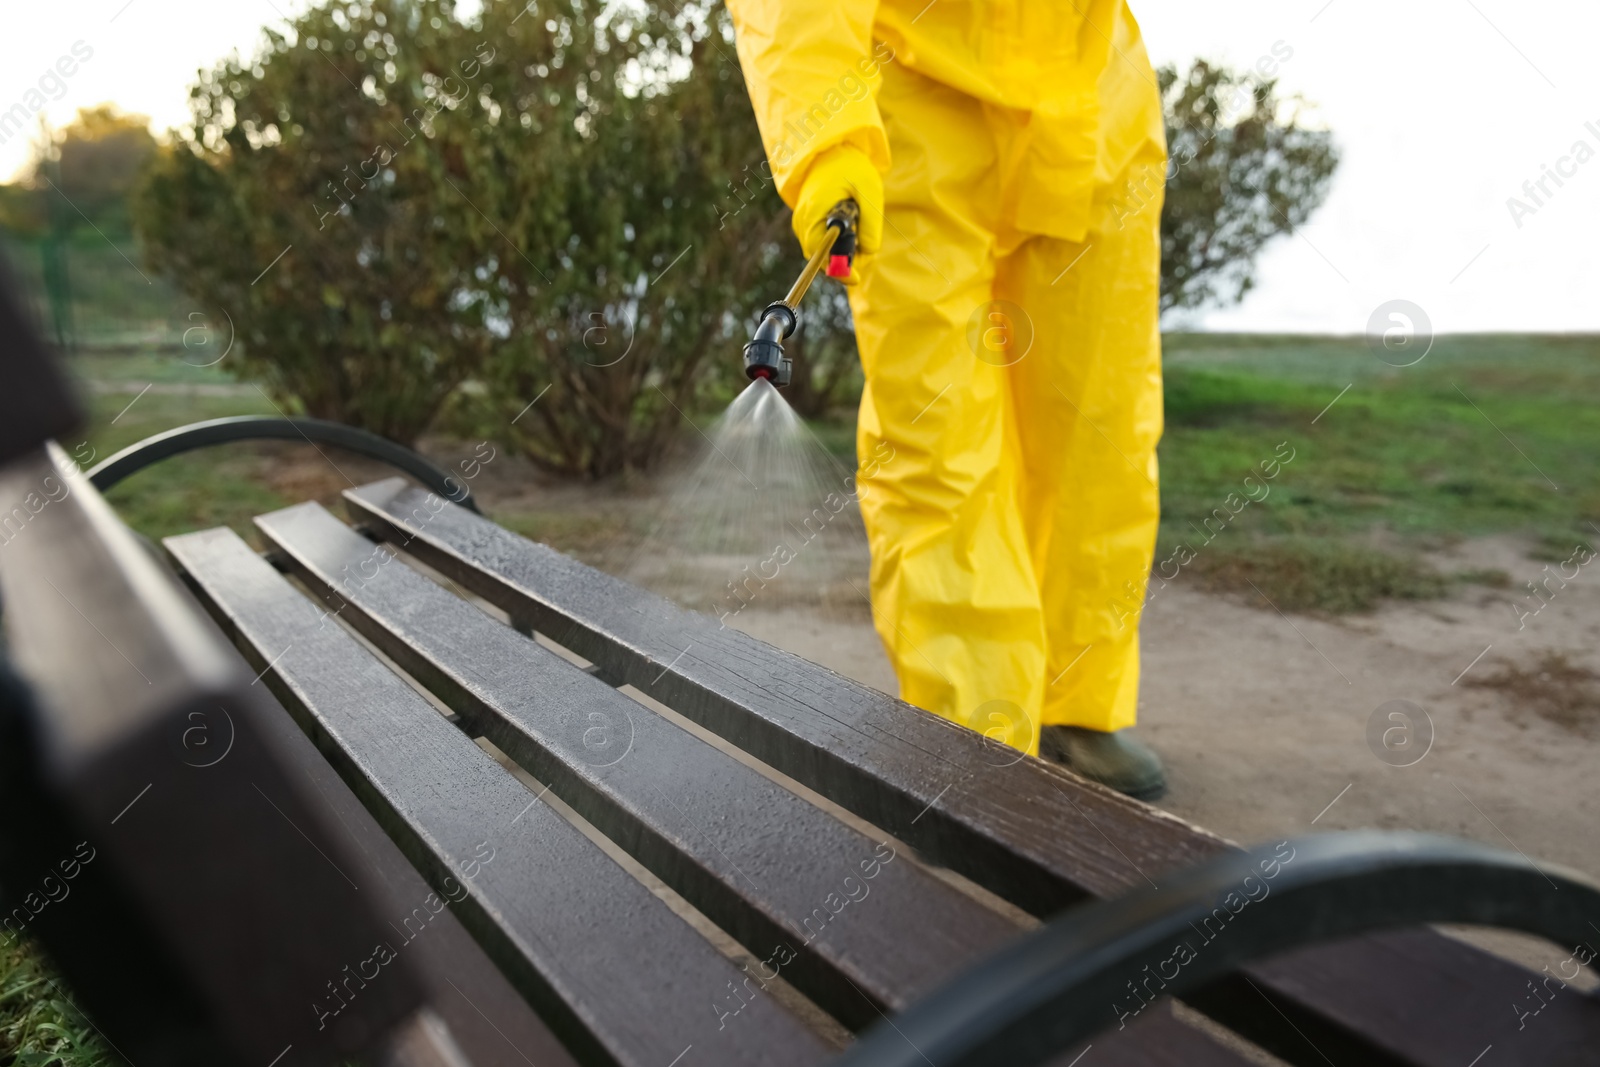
[[487, 1017], [1028, 830], [766, 864], [1164, 1041], [784, 877], [1034, 834], [1409, 997], [746, 851], [620, 977]]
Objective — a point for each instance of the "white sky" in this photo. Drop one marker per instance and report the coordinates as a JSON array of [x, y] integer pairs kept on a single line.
[[1443, 109]]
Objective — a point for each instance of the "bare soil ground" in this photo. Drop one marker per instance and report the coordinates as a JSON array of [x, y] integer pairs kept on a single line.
[[1263, 718]]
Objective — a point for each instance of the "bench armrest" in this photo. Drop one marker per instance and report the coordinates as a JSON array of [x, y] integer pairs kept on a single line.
[[1097, 966]]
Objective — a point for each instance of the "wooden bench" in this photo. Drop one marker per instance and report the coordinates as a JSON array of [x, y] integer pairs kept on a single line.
[[521, 812]]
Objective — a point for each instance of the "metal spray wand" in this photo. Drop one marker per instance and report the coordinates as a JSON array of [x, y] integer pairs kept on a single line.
[[763, 356]]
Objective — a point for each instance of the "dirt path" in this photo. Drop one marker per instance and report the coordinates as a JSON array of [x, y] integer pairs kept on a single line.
[[1263, 718]]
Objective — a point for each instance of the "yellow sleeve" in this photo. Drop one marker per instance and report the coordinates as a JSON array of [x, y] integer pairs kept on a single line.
[[812, 71]]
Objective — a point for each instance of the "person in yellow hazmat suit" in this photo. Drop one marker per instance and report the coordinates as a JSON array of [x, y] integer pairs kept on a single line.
[[1008, 158]]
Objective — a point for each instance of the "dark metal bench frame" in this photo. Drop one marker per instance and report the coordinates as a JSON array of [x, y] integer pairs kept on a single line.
[[137, 457]]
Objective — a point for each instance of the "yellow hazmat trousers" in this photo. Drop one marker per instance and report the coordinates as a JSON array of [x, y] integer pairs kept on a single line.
[[1007, 329]]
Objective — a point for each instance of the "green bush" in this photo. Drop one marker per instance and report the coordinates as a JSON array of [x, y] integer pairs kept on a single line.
[[516, 202], [302, 153]]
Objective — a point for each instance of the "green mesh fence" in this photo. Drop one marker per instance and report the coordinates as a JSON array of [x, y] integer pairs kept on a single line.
[[88, 289]]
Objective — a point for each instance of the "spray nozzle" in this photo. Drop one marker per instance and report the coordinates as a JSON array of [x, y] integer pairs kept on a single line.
[[763, 356]]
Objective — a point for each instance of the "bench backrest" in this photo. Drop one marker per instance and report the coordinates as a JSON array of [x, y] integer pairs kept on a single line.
[[183, 879]]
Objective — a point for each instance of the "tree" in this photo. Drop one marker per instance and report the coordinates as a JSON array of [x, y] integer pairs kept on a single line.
[[94, 162], [99, 158], [1242, 169]]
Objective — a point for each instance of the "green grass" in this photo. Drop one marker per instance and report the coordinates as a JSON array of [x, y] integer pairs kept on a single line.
[[1530, 361], [114, 302], [1565, 693], [212, 487], [1487, 435], [38, 1026], [1310, 574], [1465, 447], [170, 366], [593, 537]]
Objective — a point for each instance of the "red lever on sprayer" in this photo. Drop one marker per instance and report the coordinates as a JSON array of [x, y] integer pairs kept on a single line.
[[843, 253]]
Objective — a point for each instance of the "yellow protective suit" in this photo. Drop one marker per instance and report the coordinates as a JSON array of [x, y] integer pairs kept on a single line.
[[1007, 328]]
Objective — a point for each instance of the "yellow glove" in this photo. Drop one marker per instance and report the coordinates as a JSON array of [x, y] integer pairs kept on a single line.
[[841, 173]]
